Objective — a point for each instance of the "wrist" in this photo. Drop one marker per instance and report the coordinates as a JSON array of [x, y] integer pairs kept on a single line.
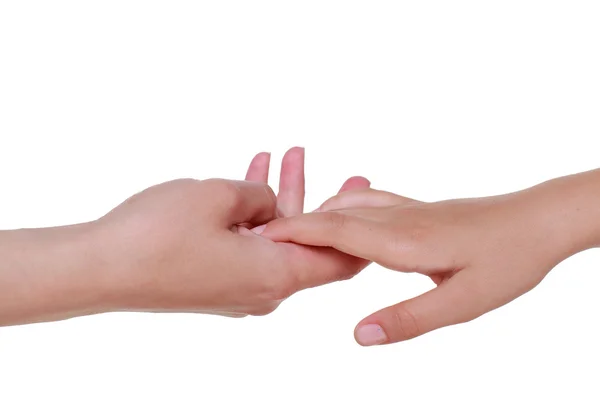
[[569, 208], [51, 274]]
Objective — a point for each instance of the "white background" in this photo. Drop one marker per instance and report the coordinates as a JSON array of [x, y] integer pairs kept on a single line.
[[430, 99]]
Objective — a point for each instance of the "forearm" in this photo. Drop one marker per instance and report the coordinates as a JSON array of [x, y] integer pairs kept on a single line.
[[50, 274]]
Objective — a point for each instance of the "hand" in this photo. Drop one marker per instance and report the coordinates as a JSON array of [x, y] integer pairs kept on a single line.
[[182, 246], [185, 245], [481, 253]]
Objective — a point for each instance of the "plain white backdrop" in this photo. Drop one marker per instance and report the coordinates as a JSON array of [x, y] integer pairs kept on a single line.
[[429, 99]]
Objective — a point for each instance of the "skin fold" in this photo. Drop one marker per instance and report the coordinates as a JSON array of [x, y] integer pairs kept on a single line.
[[482, 253], [181, 246]]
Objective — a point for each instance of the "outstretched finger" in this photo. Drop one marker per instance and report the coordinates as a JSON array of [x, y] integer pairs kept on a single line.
[[354, 235], [316, 266], [290, 200], [258, 171]]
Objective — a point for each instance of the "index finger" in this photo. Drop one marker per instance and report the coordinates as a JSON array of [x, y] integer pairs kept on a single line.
[[356, 236]]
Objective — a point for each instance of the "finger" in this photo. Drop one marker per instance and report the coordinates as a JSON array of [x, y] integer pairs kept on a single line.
[[258, 171], [245, 202], [363, 198], [290, 199], [355, 183], [360, 237], [316, 266], [453, 302]]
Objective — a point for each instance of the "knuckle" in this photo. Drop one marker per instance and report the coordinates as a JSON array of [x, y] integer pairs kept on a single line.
[[186, 186], [405, 323], [336, 221], [418, 234], [409, 239], [227, 192], [279, 286]]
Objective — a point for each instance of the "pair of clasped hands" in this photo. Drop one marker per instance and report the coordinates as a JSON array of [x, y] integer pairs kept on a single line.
[[234, 248]]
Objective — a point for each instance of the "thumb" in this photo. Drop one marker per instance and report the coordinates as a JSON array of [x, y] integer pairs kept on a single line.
[[453, 302], [240, 202]]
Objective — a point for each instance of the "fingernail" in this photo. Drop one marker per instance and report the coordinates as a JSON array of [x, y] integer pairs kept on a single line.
[[259, 229], [369, 335]]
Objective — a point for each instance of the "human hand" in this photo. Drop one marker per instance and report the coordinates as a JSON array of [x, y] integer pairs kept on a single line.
[[481, 253], [185, 245]]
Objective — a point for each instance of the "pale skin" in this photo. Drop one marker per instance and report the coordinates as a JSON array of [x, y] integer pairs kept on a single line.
[[481, 253], [203, 246], [181, 246]]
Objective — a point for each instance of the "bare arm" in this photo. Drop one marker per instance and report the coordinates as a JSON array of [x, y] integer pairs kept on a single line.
[[51, 273]]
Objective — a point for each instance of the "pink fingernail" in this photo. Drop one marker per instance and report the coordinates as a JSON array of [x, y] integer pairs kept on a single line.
[[369, 335], [259, 229]]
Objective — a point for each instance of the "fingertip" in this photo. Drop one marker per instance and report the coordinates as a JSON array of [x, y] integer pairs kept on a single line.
[[370, 335], [361, 180], [259, 229], [355, 182], [258, 170], [296, 149], [294, 153], [263, 156]]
